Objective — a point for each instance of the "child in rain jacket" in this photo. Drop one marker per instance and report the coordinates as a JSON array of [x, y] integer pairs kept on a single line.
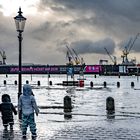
[[7, 109], [27, 104]]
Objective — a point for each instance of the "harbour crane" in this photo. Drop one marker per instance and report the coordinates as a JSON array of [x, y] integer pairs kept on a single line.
[[71, 54], [82, 61], [3, 55], [68, 56], [122, 56], [125, 52], [79, 60], [113, 58], [128, 48]]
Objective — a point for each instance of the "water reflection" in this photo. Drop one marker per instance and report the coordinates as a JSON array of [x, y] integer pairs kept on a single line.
[[110, 115], [89, 105], [8, 134]]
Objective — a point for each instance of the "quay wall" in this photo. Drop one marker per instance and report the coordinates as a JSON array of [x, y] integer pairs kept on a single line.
[[76, 69]]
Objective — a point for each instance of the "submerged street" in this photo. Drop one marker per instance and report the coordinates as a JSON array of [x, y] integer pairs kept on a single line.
[[88, 119]]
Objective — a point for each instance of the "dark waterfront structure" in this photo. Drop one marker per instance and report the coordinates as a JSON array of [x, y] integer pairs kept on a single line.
[[115, 70]]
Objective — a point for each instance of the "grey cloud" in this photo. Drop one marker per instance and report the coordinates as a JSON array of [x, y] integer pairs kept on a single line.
[[116, 21], [53, 32], [116, 18], [88, 46]]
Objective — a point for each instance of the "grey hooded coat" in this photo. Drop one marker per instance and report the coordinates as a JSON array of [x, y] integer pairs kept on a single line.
[[27, 102]]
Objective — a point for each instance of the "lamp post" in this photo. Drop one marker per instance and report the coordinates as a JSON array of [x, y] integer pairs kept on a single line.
[[20, 23]]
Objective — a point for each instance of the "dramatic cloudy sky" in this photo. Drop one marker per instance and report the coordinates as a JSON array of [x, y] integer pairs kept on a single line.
[[88, 26]]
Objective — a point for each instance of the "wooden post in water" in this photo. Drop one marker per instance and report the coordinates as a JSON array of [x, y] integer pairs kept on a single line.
[[118, 84], [38, 83], [110, 105], [4, 82], [50, 83], [105, 84], [132, 84], [15, 82], [91, 84], [67, 107]]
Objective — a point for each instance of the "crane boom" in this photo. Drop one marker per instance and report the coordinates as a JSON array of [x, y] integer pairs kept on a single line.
[[69, 58], [132, 44], [75, 58], [76, 54], [3, 55], [69, 50], [112, 59], [128, 48]]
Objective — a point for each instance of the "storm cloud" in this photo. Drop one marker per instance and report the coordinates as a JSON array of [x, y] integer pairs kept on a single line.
[[88, 26], [87, 46]]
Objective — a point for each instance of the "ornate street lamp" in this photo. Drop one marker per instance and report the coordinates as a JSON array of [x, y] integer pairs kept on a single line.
[[20, 23]]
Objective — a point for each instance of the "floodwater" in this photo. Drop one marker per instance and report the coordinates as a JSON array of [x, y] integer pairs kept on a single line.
[[88, 117]]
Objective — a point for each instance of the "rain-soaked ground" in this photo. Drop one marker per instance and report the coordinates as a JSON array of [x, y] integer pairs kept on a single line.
[[88, 117]]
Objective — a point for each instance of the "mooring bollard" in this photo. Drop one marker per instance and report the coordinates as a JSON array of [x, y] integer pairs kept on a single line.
[[105, 84], [67, 107], [110, 105], [15, 82], [119, 76], [132, 84], [38, 83], [118, 84], [91, 84], [4, 82], [50, 83]]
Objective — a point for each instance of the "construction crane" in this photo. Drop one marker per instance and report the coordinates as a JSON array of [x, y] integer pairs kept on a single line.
[[3, 55], [128, 48], [122, 56], [125, 51], [113, 58], [79, 60], [82, 61], [68, 56], [71, 54]]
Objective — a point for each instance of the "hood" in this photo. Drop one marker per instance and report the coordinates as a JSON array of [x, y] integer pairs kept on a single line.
[[6, 98], [27, 90]]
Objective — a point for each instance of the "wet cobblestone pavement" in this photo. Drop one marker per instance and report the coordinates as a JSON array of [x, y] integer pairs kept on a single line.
[[88, 117], [80, 133], [92, 129]]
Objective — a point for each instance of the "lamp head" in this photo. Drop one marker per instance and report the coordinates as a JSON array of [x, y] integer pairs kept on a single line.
[[20, 21]]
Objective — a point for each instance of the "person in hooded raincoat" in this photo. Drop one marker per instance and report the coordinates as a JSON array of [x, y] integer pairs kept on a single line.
[[7, 109], [27, 104]]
